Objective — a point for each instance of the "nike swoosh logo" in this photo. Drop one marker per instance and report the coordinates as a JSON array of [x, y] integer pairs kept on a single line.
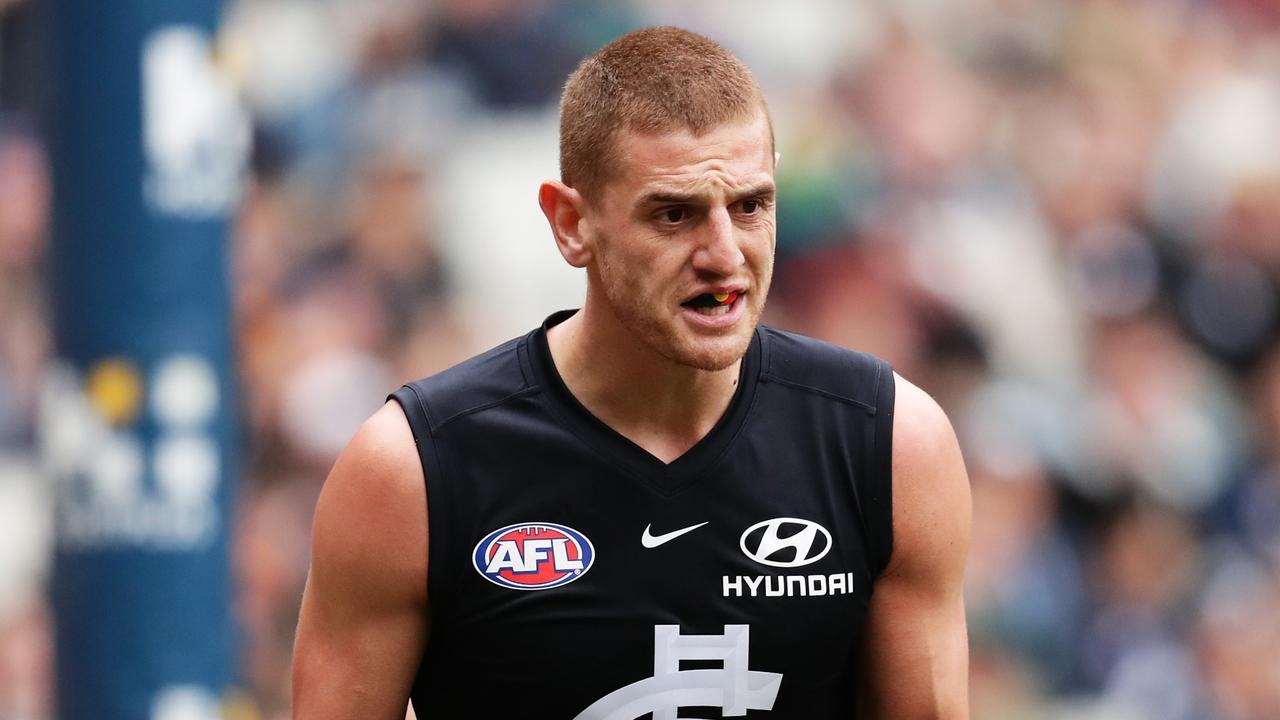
[[652, 541]]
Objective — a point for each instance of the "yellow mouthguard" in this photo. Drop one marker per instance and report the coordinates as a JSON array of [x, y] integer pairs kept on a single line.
[[721, 297]]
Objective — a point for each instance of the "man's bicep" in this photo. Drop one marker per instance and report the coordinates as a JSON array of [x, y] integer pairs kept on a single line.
[[363, 622], [916, 663]]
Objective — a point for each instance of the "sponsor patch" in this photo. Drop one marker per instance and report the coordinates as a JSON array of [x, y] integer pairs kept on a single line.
[[533, 556], [786, 542]]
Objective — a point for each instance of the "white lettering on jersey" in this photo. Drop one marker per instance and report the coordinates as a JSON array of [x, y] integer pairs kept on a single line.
[[788, 586], [508, 555], [560, 556]]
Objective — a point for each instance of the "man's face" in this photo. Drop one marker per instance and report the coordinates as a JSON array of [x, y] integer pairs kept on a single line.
[[683, 238]]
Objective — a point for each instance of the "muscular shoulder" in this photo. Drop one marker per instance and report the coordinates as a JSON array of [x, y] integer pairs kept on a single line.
[[931, 505], [818, 367], [363, 621], [370, 528]]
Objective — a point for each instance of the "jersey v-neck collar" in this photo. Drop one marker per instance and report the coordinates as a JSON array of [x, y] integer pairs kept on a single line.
[[616, 447]]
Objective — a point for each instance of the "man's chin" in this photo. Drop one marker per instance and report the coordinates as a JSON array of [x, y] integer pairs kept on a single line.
[[711, 354]]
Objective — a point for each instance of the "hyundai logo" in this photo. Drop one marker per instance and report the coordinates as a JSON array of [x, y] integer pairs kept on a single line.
[[786, 542]]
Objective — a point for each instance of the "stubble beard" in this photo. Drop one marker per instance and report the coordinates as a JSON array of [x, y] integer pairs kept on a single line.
[[661, 332]]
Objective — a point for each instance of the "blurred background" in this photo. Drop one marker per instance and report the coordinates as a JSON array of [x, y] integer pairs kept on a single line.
[[1059, 217]]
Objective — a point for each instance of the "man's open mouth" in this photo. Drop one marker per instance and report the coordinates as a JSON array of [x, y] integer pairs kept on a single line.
[[712, 303]]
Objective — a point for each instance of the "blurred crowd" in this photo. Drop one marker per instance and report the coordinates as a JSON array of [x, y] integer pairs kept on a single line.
[[1060, 217]]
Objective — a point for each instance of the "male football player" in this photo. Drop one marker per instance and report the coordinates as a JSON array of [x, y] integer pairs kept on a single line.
[[651, 506]]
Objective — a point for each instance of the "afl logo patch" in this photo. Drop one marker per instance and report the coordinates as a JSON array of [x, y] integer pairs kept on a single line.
[[533, 556]]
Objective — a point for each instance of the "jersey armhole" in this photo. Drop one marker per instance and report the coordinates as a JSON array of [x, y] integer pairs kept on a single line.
[[439, 536], [879, 518]]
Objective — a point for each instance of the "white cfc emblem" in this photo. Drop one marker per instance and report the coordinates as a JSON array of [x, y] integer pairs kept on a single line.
[[733, 688]]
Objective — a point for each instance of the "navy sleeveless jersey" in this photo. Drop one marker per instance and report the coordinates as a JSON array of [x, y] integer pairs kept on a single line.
[[573, 575]]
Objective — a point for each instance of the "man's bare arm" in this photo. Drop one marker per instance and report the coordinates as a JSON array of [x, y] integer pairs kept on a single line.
[[917, 654], [363, 623]]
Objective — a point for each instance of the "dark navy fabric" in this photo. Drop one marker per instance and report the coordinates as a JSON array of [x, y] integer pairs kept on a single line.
[[805, 441]]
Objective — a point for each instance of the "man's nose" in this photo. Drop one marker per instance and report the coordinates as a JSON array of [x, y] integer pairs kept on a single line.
[[719, 252]]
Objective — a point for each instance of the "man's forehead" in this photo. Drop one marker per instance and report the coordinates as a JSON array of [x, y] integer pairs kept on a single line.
[[733, 154]]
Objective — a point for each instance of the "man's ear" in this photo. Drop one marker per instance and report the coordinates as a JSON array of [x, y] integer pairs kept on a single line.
[[564, 208]]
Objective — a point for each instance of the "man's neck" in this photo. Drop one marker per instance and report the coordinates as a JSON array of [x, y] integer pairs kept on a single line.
[[660, 405]]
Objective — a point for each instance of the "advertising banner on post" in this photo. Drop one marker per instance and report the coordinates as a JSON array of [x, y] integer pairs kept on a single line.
[[149, 147]]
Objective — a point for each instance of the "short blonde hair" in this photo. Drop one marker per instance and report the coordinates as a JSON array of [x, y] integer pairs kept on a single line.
[[649, 81]]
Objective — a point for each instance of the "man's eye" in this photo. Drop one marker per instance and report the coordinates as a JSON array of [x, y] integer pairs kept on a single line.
[[673, 215], [749, 207]]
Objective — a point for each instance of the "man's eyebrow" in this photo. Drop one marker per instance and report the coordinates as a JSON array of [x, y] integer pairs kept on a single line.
[[765, 189], [668, 198]]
